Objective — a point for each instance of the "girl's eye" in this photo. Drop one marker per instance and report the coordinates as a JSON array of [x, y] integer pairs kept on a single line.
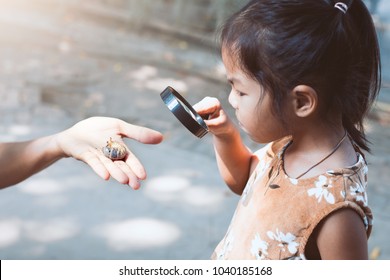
[[240, 93]]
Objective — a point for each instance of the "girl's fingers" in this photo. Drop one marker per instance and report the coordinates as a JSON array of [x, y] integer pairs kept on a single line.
[[207, 105]]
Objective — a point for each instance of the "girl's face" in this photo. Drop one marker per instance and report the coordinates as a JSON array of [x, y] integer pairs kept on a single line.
[[252, 105]]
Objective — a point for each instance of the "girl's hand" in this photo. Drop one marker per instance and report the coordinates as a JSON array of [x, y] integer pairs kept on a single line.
[[214, 116], [233, 157], [84, 141]]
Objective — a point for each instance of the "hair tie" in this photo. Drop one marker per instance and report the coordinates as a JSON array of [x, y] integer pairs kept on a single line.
[[341, 6]]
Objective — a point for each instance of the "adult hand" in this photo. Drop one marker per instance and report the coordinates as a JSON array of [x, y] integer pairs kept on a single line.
[[84, 141]]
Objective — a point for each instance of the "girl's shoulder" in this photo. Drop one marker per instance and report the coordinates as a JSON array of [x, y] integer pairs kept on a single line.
[[269, 154], [273, 148], [359, 166]]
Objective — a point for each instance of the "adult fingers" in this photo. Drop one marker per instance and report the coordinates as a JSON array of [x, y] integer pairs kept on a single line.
[[139, 133], [114, 170], [136, 166], [133, 180], [129, 171], [94, 162], [118, 170], [133, 162]]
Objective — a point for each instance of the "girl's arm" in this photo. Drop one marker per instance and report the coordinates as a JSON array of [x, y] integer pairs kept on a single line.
[[83, 141], [342, 236], [234, 159]]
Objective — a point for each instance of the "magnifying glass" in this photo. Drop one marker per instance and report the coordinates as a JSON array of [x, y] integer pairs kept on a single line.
[[184, 112]]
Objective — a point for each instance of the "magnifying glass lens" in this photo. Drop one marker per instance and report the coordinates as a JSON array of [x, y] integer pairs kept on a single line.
[[184, 112]]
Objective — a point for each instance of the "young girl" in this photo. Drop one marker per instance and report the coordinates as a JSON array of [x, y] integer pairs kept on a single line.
[[303, 74]]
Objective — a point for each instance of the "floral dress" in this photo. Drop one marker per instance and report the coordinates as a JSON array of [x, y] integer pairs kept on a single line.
[[276, 214]]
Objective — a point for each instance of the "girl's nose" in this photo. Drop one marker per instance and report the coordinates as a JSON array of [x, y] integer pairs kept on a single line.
[[233, 99]]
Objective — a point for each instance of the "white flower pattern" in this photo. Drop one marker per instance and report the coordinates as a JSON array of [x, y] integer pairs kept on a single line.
[[286, 241], [259, 247], [358, 191], [227, 246], [321, 190], [293, 181]]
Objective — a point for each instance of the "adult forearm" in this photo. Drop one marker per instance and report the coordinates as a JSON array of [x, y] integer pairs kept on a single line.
[[20, 160], [234, 161]]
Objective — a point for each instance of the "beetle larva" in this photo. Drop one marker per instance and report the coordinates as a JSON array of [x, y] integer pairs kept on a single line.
[[114, 150]]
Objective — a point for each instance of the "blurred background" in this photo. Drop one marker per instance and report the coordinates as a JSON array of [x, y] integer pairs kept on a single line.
[[65, 60]]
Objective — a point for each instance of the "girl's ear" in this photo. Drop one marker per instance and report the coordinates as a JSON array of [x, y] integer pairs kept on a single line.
[[305, 100]]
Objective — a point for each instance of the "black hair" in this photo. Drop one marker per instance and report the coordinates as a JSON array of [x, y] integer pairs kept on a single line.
[[285, 43]]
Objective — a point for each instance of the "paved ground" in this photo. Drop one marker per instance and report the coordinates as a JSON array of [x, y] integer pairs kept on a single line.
[[57, 68]]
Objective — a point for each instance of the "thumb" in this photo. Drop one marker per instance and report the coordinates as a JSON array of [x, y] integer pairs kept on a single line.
[[139, 133]]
